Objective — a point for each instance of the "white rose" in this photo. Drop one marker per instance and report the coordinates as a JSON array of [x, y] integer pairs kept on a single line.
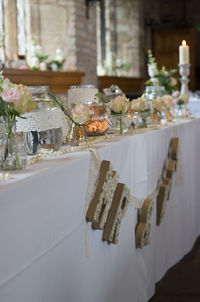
[[172, 82], [168, 100], [81, 113], [184, 97], [139, 104], [120, 104], [158, 104]]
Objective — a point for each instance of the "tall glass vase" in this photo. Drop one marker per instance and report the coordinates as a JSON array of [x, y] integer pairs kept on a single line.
[[12, 149]]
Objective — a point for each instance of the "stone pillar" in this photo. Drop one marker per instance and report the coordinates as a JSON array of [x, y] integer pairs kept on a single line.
[[10, 26]]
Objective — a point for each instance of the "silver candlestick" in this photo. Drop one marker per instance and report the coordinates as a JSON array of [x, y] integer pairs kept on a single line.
[[184, 70]]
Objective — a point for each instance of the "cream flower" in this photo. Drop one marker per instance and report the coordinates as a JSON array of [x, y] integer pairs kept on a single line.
[[159, 104], [172, 82], [120, 104], [81, 113], [7, 84], [168, 100], [24, 103], [184, 97], [140, 104]]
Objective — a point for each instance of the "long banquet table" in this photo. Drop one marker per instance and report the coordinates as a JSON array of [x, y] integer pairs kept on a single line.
[[42, 224]]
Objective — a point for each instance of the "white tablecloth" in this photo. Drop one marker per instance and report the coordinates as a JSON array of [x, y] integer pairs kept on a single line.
[[42, 229]]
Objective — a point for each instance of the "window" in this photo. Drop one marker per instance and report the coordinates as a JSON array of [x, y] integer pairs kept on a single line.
[[21, 32], [12, 30], [118, 38], [2, 56]]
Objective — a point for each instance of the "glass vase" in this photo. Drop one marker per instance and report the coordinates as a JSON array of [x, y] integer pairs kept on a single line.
[[42, 127], [180, 111], [13, 154], [120, 123], [98, 123], [157, 116], [152, 92], [142, 119], [76, 135]]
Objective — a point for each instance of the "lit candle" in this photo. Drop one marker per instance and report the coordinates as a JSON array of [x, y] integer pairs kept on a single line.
[[184, 57]]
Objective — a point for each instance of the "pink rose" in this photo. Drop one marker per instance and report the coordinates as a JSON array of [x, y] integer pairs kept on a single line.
[[175, 94], [11, 95], [175, 101]]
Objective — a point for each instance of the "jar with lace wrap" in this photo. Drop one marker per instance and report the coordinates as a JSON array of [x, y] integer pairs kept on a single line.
[[42, 127]]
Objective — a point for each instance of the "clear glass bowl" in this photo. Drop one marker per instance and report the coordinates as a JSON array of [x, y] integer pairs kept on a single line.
[[99, 122], [142, 119], [120, 123]]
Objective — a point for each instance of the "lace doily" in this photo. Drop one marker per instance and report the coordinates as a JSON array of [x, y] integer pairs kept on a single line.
[[80, 95], [40, 120]]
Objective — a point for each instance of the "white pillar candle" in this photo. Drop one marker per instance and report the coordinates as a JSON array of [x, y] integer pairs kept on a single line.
[[184, 53]]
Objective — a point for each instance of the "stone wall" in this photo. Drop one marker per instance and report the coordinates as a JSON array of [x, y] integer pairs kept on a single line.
[[63, 24]]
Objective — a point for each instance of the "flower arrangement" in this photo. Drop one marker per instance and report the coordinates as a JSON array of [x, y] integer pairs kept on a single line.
[[142, 108], [118, 109], [116, 67], [140, 105], [179, 99], [14, 101], [40, 54], [119, 105], [158, 104], [58, 60], [161, 77], [168, 101], [163, 107], [81, 113]]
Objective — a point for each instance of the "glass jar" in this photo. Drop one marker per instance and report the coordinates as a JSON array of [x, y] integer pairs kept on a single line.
[[142, 119], [13, 154], [82, 94], [42, 127], [98, 124], [181, 111], [120, 123], [152, 92]]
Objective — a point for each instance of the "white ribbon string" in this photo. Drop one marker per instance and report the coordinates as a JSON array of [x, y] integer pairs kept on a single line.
[[179, 167], [137, 203], [93, 172]]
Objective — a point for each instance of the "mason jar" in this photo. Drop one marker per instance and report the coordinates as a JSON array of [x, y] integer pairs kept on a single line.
[[42, 127], [82, 94]]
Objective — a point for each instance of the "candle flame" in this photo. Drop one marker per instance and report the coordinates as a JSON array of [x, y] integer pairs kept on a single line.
[[183, 42]]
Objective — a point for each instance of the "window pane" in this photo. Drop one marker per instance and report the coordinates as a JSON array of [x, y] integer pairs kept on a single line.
[[1, 32], [21, 27]]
